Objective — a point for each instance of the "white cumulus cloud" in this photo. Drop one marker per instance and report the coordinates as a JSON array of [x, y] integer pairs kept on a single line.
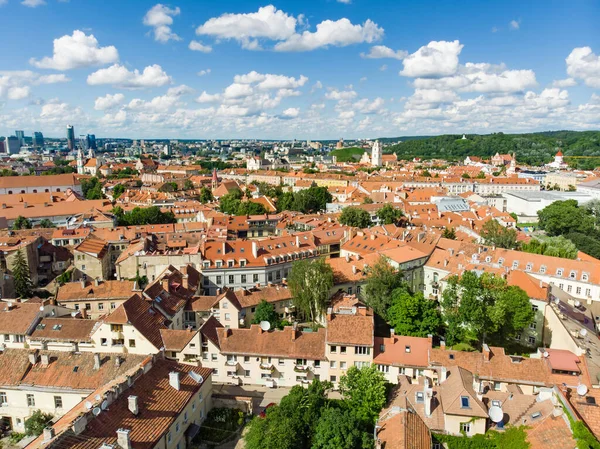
[[119, 76], [32, 3], [436, 59], [584, 64], [291, 113], [108, 101], [567, 82], [203, 72], [199, 46], [76, 51], [381, 51], [339, 33], [267, 23], [160, 18]]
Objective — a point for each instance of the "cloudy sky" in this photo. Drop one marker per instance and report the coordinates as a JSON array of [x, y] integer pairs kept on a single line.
[[318, 69]]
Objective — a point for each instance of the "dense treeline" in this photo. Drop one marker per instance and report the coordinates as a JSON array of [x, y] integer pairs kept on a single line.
[[534, 149]]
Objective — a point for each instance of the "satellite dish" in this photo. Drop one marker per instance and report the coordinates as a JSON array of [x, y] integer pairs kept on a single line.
[[97, 398], [197, 377], [41, 308], [546, 354], [556, 301], [88, 405], [583, 332], [104, 405], [96, 411], [74, 314], [582, 390], [265, 325], [496, 414], [577, 303]]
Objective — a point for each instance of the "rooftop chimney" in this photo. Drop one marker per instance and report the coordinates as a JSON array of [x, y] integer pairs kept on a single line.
[[96, 361], [117, 361], [174, 380], [123, 439], [33, 358], [132, 405], [48, 433], [82, 283], [486, 352], [354, 269], [428, 393], [45, 360], [96, 282], [254, 249]]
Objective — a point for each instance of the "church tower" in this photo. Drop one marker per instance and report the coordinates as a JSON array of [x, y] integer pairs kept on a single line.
[[376, 154], [215, 180], [80, 161]]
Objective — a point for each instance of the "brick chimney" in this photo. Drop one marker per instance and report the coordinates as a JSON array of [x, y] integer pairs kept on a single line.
[[45, 360], [33, 358], [97, 361], [486, 352]]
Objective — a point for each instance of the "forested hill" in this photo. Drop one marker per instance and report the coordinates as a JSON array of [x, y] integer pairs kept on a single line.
[[535, 148]]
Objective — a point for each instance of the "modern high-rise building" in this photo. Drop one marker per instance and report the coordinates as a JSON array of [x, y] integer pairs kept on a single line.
[[2, 147], [91, 142], [38, 139], [70, 137], [12, 145], [21, 136]]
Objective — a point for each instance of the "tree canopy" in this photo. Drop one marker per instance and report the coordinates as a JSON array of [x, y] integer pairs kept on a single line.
[[92, 189], [310, 282], [563, 217], [364, 391], [21, 223], [382, 280], [205, 195], [388, 214], [353, 216], [552, 246], [414, 315], [143, 216], [484, 307], [494, 234], [266, 312], [21, 276], [232, 204]]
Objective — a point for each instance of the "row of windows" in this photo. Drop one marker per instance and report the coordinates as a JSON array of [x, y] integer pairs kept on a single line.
[[243, 278], [100, 306], [358, 350], [58, 402], [15, 338]]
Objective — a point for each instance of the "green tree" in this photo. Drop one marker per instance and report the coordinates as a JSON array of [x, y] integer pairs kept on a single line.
[[188, 185], [36, 423], [21, 223], [250, 208], [143, 216], [586, 243], [310, 282], [368, 200], [364, 392], [480, 175], [552, 246], [45, 223], [388, 214], [414, 315], [285, 202], [118, 190], [353, 216], [449, 233], [426, 174], [494, 234], [484, 307], [266, 312], [21, 276], [230, 203], [382, 280], [564, 217], [92, 189], [205, 196], [340, 429], [311, 200]]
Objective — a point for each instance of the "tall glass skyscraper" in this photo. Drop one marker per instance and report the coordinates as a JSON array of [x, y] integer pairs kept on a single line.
[[38, 139], [70, 137]]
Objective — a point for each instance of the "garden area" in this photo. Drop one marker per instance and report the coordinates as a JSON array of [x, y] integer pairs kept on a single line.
[[220, 426]]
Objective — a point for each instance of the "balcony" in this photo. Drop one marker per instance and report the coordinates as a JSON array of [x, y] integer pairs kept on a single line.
[[231, 362], [303, 369], [267, 366]]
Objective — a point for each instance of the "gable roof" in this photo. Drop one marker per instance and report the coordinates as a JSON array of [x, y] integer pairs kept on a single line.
[[457, 386]]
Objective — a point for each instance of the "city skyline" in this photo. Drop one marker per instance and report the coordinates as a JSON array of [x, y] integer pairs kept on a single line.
[[286, 70]]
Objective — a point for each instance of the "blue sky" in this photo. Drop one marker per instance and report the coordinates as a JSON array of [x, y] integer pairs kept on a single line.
[[319, 69]]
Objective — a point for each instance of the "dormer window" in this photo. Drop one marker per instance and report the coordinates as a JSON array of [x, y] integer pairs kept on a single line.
[[219, 264], [573, 274], [420, 397], [501, 261], [464, 402], [515, 264], [543, 269], [559, 272], [529, 266], [488, 259], [230, 263], [407, 348], [585, 277]]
